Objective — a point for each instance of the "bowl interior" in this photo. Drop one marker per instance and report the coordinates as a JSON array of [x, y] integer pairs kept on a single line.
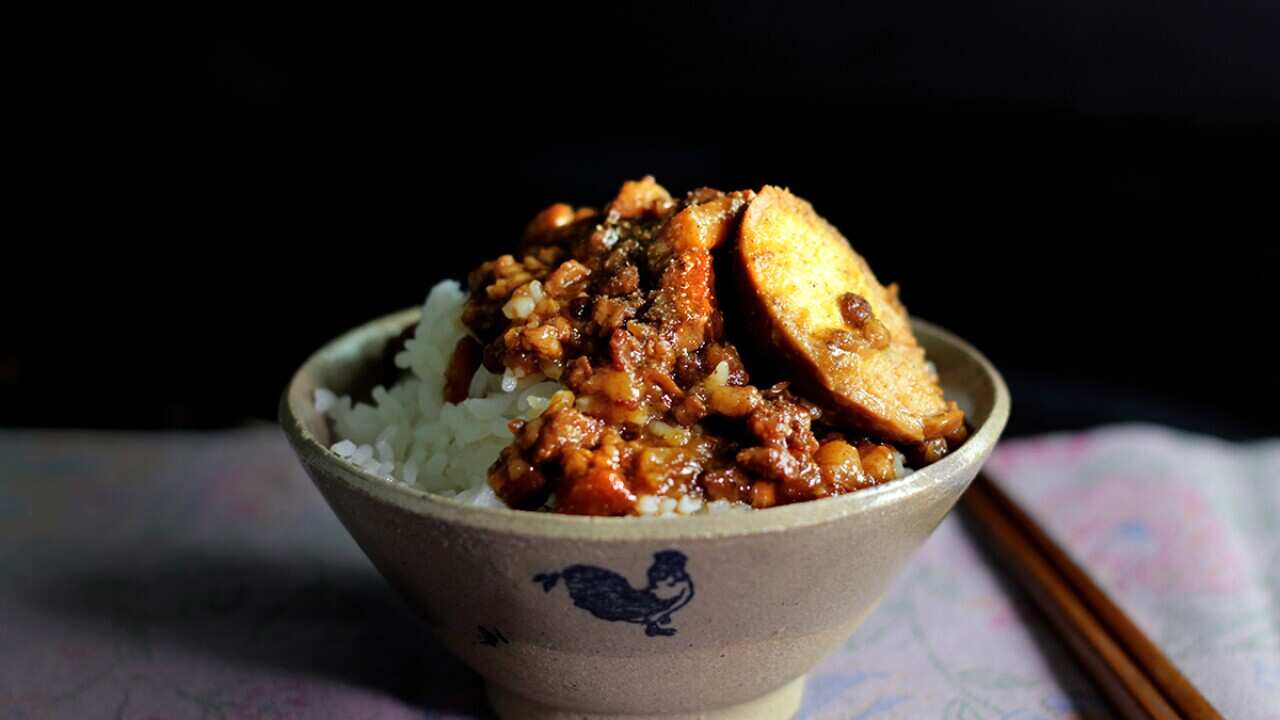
[[352, 365]]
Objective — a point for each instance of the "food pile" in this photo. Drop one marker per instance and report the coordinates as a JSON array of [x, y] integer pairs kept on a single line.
[[658, 356]]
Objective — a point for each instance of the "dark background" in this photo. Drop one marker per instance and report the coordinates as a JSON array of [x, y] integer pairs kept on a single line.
[[1088, 194]]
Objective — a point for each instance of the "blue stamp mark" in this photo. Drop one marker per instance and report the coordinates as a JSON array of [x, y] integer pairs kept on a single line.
[[609, 596]]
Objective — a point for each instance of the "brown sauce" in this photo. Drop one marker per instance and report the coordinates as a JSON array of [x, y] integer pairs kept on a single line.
[[620, 306]]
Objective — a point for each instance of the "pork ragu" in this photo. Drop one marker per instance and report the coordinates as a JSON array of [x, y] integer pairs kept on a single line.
[[624, 308]]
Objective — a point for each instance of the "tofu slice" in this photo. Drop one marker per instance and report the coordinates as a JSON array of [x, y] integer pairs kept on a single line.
[[844, 338]]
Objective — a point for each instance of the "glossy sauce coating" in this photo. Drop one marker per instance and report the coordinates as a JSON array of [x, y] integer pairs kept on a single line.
[[621, 307]]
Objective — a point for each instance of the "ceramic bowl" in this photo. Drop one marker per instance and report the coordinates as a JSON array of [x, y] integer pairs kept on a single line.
[[707, 616]]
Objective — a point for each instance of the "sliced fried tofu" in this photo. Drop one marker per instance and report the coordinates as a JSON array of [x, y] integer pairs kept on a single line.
[[845, 339], [683, 250]]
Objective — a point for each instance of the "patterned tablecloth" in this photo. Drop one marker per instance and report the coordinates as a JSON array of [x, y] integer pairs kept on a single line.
[[201, 576]]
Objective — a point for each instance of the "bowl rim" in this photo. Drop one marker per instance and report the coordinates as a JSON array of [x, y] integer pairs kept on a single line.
[[319, 458]]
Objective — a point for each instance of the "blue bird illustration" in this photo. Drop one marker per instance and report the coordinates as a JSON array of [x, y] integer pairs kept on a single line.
[[609, 596]]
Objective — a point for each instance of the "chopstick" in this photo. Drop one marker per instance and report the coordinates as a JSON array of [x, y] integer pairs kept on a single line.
[[1138, 679]]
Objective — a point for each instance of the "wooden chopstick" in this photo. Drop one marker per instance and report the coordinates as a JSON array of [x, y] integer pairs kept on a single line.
[[1132, 672]]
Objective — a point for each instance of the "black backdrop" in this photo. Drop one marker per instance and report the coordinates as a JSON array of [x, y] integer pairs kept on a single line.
[[1087, 194]]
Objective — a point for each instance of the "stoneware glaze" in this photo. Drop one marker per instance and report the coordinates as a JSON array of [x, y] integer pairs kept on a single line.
[[708, 616]]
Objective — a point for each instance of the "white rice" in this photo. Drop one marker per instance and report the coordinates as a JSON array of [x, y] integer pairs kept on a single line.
[[410, 436]]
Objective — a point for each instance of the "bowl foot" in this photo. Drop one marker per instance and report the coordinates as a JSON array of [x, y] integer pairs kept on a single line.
[[780, 704]]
